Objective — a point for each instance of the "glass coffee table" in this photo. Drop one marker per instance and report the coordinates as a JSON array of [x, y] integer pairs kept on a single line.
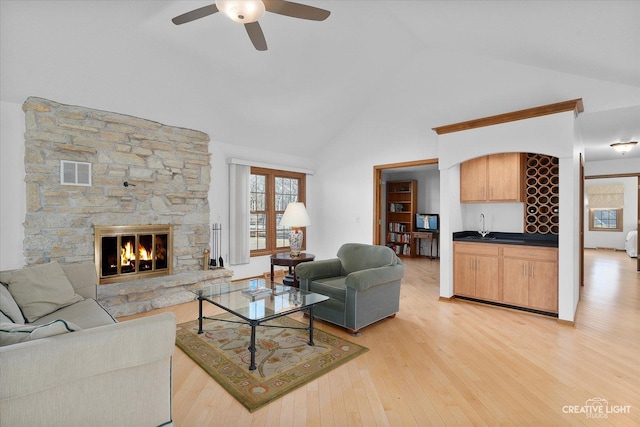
[[255, 302]]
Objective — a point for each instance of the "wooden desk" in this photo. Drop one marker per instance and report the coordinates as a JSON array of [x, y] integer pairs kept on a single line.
[[433, 236], [285, 259]]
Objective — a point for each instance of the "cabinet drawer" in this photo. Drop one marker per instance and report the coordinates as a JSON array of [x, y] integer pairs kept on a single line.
[[530, 252], [476, 248]]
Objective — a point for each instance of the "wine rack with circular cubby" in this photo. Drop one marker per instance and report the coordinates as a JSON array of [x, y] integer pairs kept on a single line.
[[542, 192]]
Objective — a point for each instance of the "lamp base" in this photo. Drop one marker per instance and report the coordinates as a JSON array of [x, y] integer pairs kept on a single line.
[[296, 236]]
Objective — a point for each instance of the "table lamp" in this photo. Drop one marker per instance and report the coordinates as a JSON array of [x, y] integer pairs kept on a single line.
[[295, 216]]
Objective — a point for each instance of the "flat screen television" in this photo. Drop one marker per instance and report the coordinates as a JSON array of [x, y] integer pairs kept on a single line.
[[429, 222]]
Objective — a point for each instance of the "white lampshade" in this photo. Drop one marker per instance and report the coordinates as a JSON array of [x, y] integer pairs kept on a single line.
[[242, 11], [295, 216]]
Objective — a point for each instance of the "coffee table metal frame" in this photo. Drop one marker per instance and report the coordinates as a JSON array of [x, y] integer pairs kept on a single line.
[[300, 301]]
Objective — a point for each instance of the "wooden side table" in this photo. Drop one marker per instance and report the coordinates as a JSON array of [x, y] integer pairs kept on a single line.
[[285, 259], [433, 236]]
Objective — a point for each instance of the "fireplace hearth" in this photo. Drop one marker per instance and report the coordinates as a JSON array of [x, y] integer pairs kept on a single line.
[[129, 252]]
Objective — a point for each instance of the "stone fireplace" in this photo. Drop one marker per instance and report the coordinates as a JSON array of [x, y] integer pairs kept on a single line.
[[140, 172]]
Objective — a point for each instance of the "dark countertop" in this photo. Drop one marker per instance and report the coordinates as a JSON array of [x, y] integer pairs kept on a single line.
[[522, 239]]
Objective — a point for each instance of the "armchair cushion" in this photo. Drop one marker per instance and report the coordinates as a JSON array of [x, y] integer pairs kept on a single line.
[[333, 287], [319, 269], [365, 279]]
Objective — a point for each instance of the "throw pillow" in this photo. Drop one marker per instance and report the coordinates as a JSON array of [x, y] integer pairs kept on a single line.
[[8, 306], [41, 289], [12, 333]]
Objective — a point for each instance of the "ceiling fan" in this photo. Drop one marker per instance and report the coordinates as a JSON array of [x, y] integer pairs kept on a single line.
[[248, 12]]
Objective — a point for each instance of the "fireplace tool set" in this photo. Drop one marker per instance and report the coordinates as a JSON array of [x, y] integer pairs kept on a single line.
[[216, 254]]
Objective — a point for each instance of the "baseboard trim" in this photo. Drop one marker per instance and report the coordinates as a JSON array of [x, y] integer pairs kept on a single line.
[[508, 306], [575, 317], [606, 248]]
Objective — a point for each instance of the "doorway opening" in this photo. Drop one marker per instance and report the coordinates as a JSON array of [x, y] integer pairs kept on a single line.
[[612, 239], [379, 173]]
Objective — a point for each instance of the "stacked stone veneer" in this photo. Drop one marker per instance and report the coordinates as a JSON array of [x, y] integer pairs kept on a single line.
[[124, 299], [168, 166]]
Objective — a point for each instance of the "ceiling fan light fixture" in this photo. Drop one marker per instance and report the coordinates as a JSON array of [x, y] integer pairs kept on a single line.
[[623, 147], [242, 11]]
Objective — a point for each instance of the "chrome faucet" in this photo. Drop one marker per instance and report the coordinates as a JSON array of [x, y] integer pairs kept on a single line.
[[483, 231]]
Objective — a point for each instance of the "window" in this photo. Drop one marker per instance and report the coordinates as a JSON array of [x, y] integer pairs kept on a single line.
[[605, 219], [270, 193]]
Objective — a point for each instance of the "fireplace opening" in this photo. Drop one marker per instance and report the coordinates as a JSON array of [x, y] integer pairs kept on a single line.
[[126, 252]]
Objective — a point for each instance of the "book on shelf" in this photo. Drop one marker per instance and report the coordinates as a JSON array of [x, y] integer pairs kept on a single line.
[[399, 237], [396, 227]]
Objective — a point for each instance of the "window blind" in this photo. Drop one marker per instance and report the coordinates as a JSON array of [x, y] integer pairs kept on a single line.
[[606, 196]]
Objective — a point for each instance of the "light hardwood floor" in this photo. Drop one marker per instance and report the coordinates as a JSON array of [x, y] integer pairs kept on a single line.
[[458, 363]]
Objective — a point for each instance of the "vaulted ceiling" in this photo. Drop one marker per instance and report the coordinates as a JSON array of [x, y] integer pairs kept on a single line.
[[465, 59]]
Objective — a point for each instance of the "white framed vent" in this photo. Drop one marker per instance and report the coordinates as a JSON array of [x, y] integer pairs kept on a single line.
[[75, 173]]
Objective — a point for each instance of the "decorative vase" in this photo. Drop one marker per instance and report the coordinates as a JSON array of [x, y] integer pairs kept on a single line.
[[295, 241]]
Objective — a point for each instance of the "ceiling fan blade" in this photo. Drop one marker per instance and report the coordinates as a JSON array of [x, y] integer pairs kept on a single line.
[[256, 35], [296, 10], [195, 14]]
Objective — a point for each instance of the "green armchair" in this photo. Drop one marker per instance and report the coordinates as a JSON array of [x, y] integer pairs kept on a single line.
[[363, 284]]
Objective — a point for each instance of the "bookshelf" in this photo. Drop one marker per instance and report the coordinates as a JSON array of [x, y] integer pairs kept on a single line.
[[402, 205]]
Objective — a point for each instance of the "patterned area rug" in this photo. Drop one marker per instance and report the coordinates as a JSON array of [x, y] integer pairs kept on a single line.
[[284, 360]]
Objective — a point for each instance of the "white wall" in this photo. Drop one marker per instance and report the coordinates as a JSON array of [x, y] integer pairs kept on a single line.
[[545, 135], [612, 167], [613, 239], [344, 171], [498, 217], [553, 135], [12, 185], [344, 190]]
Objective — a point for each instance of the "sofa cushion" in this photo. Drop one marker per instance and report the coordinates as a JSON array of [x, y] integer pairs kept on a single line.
[[86, 314], [4, 319], [41, 289], [9, 307], [83, 278], [12, 333], [358, 256], [333, 287]]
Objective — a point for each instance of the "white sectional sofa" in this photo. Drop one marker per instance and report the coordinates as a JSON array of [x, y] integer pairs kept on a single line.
[[64, 361]]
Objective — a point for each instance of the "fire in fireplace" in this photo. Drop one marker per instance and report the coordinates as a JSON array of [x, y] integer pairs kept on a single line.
[[125, 253]]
